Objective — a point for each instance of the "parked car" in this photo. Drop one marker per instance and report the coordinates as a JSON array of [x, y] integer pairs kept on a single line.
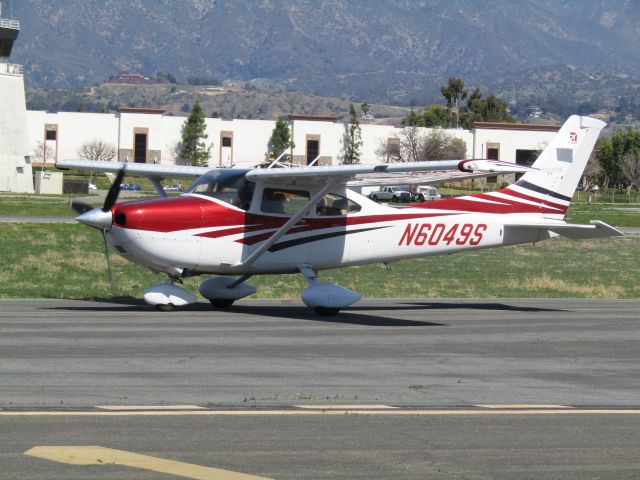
[[130, 186], [92, 187], [173, 188], [393, 194]]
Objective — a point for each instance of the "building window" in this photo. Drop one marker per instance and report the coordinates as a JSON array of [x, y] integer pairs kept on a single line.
[[226, 141], [140, 148], [51, 135], [313, 150], [493, 153], [526, 158]]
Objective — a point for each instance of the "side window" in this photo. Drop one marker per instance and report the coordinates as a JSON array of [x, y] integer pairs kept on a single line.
[[332, 204], [287, 202]]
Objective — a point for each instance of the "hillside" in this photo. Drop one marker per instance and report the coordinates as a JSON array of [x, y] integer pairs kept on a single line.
[[381, 51], [228, 101]]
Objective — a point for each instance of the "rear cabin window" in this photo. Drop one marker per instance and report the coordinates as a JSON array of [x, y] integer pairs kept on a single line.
[[283, 201], [332, 204]]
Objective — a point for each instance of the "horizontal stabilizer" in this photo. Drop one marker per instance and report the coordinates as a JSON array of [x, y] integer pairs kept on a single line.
[[596, 229]]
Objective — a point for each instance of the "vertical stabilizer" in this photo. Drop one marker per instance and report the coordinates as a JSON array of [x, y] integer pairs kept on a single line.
[[563, 161]]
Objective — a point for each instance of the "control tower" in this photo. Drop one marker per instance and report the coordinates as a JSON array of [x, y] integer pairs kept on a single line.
[[15, 163]]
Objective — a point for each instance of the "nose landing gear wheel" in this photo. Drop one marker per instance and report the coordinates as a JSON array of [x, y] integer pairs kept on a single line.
[[166, 307], [326, 312], [222, 302]]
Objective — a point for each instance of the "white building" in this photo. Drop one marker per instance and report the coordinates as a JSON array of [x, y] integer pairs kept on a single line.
[[147, 135], [15, 169]]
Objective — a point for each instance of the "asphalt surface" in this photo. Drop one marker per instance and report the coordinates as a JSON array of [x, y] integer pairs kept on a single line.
[[482, 389]]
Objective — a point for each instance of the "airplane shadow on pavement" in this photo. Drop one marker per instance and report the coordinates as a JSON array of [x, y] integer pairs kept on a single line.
[[355, 315]]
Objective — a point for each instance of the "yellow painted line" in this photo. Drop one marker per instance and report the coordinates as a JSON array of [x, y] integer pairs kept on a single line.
[[345, 407], [303, 412], [524, 406], [150, 407], [95, 455]]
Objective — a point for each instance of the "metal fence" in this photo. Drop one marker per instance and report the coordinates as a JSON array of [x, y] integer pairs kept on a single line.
[[608, 196]]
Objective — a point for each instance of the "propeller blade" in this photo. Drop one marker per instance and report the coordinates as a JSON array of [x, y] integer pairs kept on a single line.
[[108, 256], [114, 191], [80, 207]]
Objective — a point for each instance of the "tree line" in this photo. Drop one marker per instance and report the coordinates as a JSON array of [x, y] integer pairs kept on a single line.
[[462, 108], [615, 162]]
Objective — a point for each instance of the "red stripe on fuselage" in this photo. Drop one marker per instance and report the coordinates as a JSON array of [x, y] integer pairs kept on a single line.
[[508, 191], [504, 206], [188, 213], [312, 224]]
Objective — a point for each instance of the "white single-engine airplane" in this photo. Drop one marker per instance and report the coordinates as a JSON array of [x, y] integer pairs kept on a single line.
[[236, 223]]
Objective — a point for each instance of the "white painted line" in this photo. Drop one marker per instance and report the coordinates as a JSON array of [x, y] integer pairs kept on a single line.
[[524, 406], [95, 455], [396, 411], [345, 407], [150, 407]]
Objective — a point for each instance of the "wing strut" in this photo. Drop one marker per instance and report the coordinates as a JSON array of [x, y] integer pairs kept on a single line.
[[158, 185], [250, 260]]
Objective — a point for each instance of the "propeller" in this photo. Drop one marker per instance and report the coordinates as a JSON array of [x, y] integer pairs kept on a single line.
[[107, 254], [114, 191], [109, 201], [101, 218]]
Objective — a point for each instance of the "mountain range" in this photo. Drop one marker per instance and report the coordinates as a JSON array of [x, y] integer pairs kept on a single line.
[[375, 50]]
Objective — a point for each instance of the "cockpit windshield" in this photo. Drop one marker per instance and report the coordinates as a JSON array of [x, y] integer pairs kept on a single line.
[[229, 186]]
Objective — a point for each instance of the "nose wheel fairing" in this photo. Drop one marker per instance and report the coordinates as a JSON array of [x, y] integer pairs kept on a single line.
[[166, 295]]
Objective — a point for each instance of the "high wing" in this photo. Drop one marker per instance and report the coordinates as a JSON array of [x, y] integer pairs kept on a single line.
[[142, 169], [155, 173], [386, 173]]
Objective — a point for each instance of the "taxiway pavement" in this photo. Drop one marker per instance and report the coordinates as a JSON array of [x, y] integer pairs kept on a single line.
[[482, 389]]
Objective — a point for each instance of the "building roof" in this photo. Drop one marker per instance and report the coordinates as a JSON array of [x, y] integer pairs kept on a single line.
[[148, 110], [514, 126], [313, 118]]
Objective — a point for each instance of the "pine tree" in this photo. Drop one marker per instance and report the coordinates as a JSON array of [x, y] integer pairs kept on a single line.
[[280, 138], [194, 149], [352, 138]]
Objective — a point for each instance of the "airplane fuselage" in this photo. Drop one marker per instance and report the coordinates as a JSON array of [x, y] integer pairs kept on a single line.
[[196, 234]]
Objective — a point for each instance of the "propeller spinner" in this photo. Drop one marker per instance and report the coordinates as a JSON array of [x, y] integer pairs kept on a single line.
[[100, 218]]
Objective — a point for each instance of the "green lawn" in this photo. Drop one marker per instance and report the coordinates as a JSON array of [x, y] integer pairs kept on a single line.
[[35, 205], [67, 261], [617, 215]]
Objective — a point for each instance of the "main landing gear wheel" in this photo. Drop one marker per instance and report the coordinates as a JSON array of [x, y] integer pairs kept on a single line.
[[222, 302], [326, 312], [166, 307]]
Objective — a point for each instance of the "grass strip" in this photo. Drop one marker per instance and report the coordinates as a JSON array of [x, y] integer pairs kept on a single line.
[[67, 261]]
